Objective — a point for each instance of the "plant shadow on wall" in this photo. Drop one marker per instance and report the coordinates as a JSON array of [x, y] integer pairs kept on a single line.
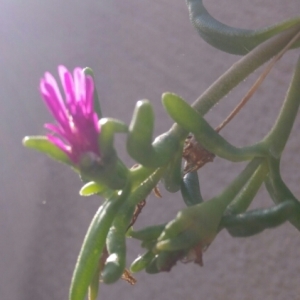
[[84, 140]]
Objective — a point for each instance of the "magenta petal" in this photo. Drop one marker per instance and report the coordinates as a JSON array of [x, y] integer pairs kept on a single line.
[[55, 129], [79, 85], [62, 71], [68, 85], [77, 130], [52, 82], [57, 142], [53, 101]]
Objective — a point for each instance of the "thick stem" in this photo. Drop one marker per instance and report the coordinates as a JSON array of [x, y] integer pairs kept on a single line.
[[93, 245], [238, 72], [241, 69], [226, 197], [279, 191], [281, 130], [247, 194]]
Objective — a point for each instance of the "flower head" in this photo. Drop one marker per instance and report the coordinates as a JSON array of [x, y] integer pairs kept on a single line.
[[76, 130]]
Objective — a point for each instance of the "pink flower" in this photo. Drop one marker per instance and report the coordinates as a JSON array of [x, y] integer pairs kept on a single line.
[[76, 130]]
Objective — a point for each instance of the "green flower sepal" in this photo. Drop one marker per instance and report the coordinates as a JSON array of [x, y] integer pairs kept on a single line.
[[107, 169]]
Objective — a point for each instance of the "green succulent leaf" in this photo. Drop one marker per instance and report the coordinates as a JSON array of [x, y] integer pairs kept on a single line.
[[139, 141], [189, 119], [190, 189], [255, 221], [230, 39], [94, 244], [93, 188], [141, 262], [42, 144]]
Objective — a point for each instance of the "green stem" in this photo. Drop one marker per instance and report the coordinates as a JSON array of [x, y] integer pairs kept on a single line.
[[282, 192], [241, 69], [199, 223], [279, 134], [189, 119], [279, 191], [138, 174], [145, 187], [230, 39], [93, 245], [237, 184], [243, 200], [238, 72]]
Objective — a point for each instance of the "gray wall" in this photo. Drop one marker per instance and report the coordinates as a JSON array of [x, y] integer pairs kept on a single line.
[[138, 49]]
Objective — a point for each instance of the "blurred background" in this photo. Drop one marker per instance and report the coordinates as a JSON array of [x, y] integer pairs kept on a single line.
[[138, 49]]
